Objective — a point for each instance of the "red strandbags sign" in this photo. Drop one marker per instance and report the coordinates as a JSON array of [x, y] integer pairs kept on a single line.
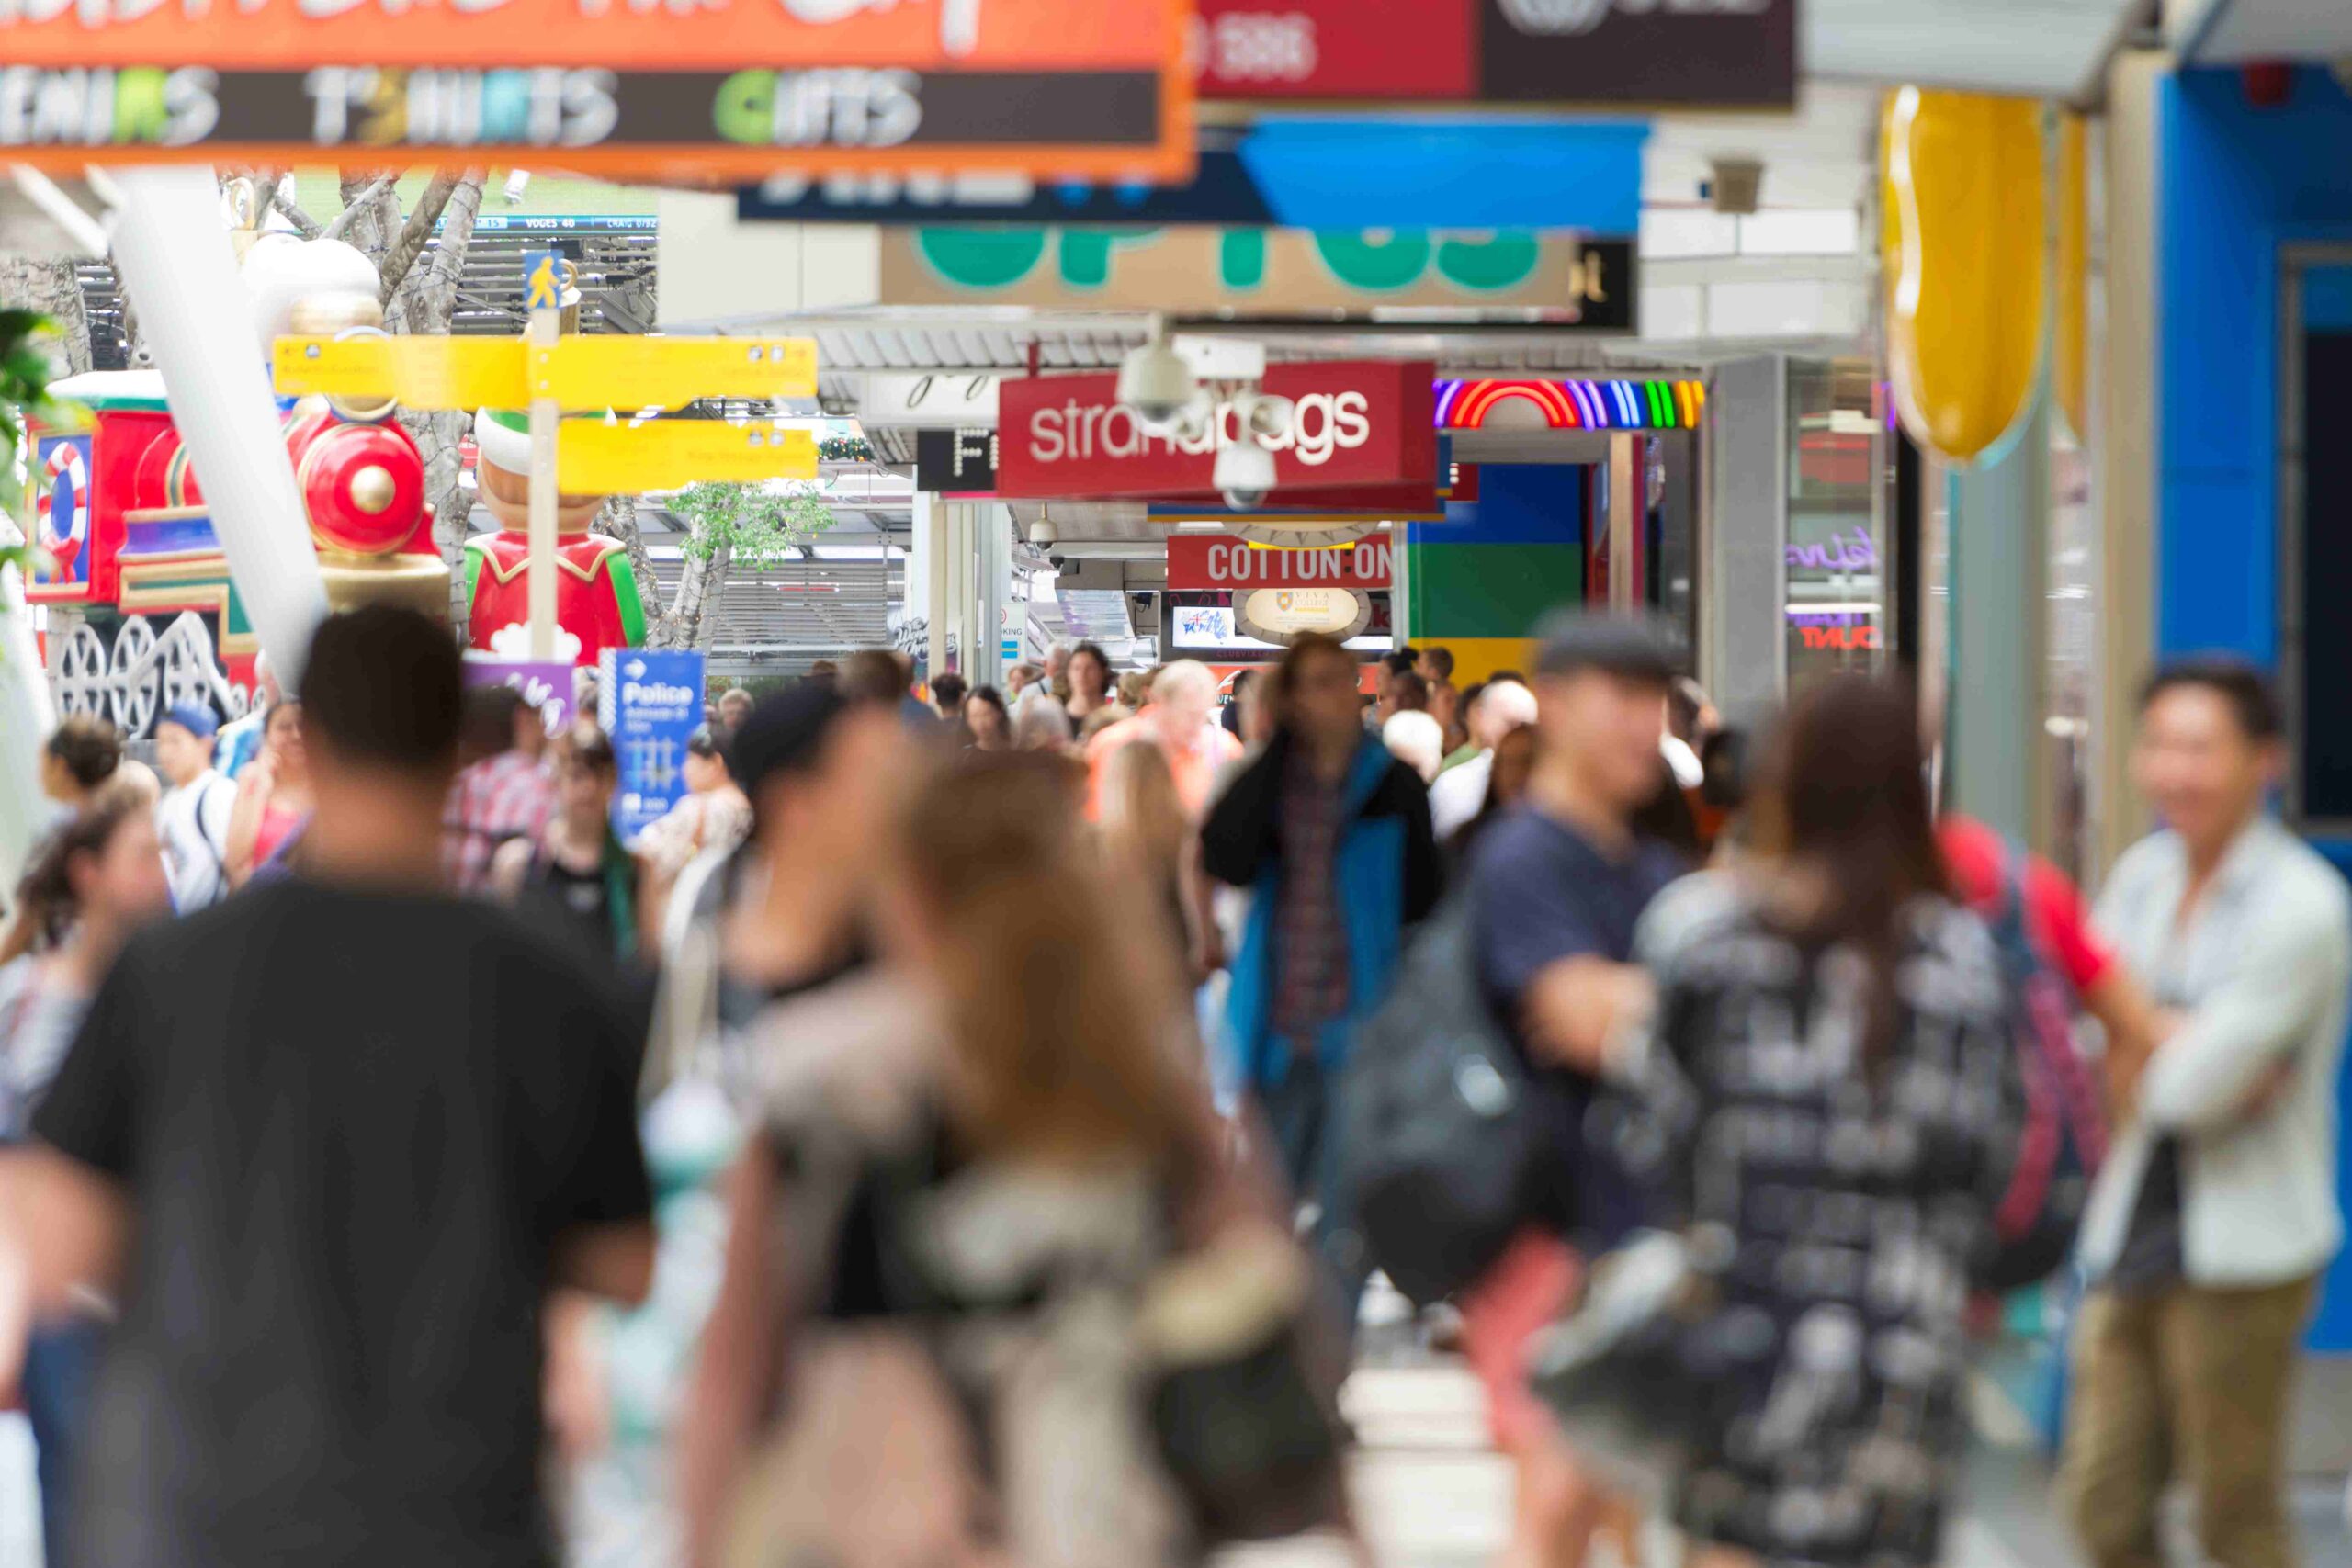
[[1355, 424], [1208, 561]]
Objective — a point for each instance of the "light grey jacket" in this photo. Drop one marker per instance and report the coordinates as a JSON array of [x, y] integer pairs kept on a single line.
[[2264, 968]]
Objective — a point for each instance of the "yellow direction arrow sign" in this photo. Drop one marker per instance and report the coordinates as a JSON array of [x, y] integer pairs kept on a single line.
[[619, 371], [613, 371], [595, 457], [421, 372]]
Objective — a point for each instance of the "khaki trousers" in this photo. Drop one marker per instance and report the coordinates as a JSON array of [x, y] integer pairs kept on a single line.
[[2192, 1384]]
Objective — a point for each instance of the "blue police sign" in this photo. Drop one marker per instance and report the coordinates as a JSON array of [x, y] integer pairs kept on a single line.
[[650, 703]]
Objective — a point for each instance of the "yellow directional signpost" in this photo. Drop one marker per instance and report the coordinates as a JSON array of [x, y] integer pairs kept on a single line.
[[551, 373]]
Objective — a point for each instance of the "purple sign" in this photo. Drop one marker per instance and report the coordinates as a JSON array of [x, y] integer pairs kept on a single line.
[[545, 686], [1857, 553]]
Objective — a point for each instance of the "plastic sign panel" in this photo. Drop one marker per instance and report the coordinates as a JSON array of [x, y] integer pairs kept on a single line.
[[650, 703], [1592, 51], [1297, 172], [1280, 614], [1265, 274], [602, 371], [1364, 423], [546, 687], [955, 462], [1057, 87], [1207, 560], [601, 457]]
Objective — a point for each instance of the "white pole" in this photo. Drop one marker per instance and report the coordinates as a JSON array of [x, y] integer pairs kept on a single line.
[[26, 719], [171, 245], [541, 331]]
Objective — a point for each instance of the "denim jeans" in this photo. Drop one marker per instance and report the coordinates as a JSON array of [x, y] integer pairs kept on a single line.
[[58, 1366], [1302, 1121]]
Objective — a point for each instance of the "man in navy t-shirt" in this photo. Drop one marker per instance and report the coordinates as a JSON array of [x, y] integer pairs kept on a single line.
[[1556, 888]]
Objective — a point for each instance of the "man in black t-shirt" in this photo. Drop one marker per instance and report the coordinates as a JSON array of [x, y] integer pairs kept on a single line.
[[330, 1146], [1556, 888]]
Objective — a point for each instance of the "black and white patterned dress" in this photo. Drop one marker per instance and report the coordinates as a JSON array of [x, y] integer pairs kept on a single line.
[[1859, 1200]]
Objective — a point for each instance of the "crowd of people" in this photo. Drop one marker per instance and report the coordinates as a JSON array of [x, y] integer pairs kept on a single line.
[[1043, 1014]]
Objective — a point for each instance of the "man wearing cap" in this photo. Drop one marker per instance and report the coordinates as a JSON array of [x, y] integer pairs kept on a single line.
[[193, 817], [1557, 887]]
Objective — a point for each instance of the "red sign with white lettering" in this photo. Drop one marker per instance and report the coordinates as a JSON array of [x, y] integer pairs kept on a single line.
[[1209, 560], [1354, 424], [1324, 48]]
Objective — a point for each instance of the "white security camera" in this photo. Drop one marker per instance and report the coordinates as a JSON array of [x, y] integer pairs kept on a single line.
[[1042, 531], [1158, 383], [1245, 473], [1265, 415]]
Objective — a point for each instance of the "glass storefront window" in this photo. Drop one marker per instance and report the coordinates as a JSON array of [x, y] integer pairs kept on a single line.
[[1837, 573]]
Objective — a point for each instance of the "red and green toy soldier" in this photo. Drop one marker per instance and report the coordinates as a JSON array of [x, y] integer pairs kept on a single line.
[[596, 607]]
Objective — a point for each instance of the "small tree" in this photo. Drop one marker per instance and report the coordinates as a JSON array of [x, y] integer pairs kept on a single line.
[[727, 526]]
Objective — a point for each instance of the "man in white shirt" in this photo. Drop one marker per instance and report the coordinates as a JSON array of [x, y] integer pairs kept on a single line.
[[193, 817], [2216, 1210], [1460, 791]]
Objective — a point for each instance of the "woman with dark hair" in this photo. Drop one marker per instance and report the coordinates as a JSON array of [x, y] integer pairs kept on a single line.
[[80, 755], [1830, 1095], [1514, 764], [1089, 681], [273, 795], [577, 873], [987, 725], [98, 878]]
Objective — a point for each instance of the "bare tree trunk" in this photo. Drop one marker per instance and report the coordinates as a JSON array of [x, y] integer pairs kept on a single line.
[[706, 629], [429, 298], [700, 579], [618, 521], [438, 432], [415, 232], [30, 283], [370, 219]]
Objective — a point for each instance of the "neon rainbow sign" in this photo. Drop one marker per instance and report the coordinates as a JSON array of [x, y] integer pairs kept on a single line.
[[1576, 405]]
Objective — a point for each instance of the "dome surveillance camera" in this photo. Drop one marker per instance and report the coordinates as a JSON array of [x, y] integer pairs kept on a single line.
[[1245, 473], [1042, 531], [1158, 383]]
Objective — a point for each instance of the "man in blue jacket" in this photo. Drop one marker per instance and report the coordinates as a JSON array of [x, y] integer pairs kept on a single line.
[[1332, 835]]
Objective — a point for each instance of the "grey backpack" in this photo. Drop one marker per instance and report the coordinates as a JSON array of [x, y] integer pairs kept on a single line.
[[1439, 1153]]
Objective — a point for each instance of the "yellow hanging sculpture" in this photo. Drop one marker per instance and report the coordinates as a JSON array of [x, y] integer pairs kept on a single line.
[[1966, 250], [2070, 363]]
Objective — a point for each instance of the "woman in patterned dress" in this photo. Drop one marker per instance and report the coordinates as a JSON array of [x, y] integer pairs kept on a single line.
[[1829, 1086]]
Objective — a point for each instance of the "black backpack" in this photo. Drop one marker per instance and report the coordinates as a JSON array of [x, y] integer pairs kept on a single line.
[[2064, 1137], [1438, 1152]]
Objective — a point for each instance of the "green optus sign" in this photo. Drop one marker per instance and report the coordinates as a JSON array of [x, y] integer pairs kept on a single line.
[[1261, 272]]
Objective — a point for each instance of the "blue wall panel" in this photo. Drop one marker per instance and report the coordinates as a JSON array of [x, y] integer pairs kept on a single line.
[[2238, 182]]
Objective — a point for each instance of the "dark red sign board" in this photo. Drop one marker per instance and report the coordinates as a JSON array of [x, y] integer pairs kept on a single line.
[[1356, 423], [1214, 560], [1626, 51], [1325, 49]]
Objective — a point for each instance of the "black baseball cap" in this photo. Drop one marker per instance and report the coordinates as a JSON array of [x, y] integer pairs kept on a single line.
[[1632, 648], [784, 733]]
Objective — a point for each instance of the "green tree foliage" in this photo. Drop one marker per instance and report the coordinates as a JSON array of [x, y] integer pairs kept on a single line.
[[757, 524]]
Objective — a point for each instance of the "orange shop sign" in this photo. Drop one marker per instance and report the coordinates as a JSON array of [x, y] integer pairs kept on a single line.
[[719, 89]]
